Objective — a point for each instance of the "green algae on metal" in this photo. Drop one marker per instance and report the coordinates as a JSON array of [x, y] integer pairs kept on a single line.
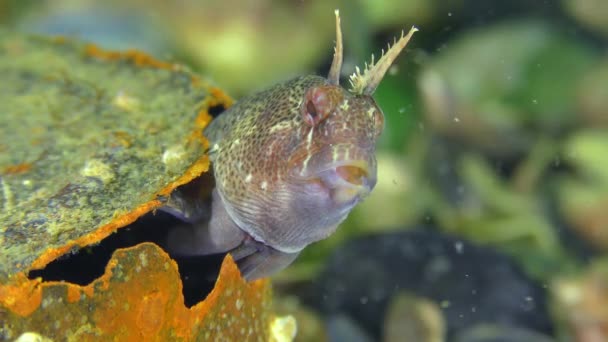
[[85, 141], [90, 141]]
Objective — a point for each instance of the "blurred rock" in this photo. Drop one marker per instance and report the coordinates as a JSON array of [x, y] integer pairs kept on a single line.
[[500, 333], [283, 329], [310, 326], [343, 328], [580, 304], [471, 284], [412, 318], [591, 13], [592, 95], [583, 197]]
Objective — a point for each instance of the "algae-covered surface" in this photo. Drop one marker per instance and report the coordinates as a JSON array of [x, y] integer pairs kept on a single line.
[[91, 140], [88, 141]]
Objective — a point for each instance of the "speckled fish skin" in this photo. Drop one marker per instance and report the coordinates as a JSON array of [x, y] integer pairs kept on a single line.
[[289, 163], [273, 169]]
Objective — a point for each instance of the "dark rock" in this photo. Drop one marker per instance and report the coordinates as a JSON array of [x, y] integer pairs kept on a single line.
[[472, 284]]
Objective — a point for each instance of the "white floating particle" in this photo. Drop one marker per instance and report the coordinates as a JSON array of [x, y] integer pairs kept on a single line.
[[459, 246]]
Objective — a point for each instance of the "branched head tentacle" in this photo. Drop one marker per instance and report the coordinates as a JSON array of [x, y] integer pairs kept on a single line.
[[366, 83]]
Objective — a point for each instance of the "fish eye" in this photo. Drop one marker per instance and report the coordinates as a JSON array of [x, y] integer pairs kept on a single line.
[[317, 105], [311, 110]]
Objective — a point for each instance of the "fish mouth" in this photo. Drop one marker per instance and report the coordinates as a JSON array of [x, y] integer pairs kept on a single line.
[[348, 181], [353, 174]]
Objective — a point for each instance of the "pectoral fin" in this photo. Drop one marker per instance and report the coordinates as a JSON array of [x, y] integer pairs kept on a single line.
[[256, 260], [191, 202], [219, 235]]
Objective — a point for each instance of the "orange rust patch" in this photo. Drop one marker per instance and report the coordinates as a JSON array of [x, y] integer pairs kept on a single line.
[[73, 294], [139, 297], [220, 97], [16, 169], [22, 296], [200, 166], [134, 56], [217, 98], [96, 236], [151, 314], [202, 120]]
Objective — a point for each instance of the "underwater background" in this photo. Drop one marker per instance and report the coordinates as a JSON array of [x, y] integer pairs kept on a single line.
[[489, 221]]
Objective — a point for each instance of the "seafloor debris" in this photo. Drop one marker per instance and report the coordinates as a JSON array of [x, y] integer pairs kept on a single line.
[[91, 140]]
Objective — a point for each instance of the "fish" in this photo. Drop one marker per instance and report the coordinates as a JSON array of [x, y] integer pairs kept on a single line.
[[290, 163]]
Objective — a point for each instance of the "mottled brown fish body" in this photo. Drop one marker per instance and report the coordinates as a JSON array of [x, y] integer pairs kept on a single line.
[[264, 157], [290, 163]]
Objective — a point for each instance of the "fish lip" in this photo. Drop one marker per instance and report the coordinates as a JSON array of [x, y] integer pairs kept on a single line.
[[360, 163], [330, 179]]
